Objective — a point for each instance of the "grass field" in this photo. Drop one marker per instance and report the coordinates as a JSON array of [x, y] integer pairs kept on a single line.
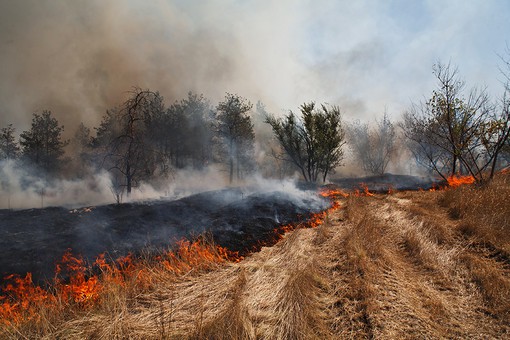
[[407, 265]]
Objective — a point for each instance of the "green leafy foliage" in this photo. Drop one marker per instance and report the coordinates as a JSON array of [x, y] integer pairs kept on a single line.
[[313, 142]]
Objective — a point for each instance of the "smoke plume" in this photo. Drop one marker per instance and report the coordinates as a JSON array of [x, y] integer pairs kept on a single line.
[[78, 58]]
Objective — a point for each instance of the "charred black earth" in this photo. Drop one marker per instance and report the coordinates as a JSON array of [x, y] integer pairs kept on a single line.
[[386, 182], [33, 240]]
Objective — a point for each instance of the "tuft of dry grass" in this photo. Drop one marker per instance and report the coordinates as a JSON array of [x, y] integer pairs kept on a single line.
[[233, 322], [295, 314], [490, 282], [483, 211], [324, 231], [360, 252]]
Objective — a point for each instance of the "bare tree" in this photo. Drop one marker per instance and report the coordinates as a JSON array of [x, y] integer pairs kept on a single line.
[[373, 148], [455, 134], [123, 137]]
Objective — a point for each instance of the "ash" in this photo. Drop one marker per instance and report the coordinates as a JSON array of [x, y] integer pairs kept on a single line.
[[33, 240]]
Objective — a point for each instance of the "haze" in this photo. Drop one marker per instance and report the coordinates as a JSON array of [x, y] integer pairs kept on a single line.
[[79, 58]]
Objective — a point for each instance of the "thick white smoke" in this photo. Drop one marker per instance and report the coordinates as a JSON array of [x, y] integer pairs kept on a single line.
[[20, 188]]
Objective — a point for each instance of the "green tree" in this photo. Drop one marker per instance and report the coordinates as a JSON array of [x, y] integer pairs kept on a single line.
[[81, 150], [313, 143], [9, 149], [183, 134], [236, 134], [43, 145]]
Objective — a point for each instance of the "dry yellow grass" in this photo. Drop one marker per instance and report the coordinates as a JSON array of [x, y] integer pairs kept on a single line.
[[402, 266]]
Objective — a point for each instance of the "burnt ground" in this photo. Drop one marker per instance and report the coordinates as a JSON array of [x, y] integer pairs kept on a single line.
[[383, 183], [33, 240]]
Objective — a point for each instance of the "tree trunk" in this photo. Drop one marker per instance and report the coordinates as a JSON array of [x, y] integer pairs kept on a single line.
[[128, 180], [325, 175], [454, 165], [231, 169]]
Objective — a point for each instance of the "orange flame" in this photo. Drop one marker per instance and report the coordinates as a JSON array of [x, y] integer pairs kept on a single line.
[[332, 193], [21, 299], [80, 288], [189, 255], [365, 192], [456, 181], [84, 285]]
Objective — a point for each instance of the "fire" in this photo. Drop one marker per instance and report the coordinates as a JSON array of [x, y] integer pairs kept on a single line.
[[312, 221], [80, 288], [452, 182], [21, 299], [198, 254], [455, 181], [333, 193], [80, 285], [365, 191]]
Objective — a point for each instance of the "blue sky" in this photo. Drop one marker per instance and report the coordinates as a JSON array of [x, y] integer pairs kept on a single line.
[[78, 58]]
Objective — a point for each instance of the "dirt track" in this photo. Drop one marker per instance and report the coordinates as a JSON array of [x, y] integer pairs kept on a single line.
[[401, 270]]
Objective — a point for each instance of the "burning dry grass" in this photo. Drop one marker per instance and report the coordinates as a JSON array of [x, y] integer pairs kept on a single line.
[[383, 266], [196, 291], [106, 288]]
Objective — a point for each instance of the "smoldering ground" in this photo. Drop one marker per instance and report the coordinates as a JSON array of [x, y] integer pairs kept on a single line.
[[34, 240]]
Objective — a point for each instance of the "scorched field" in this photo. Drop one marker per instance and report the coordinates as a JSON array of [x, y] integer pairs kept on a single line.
[[408, 264]]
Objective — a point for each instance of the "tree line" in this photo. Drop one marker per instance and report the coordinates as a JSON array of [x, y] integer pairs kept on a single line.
[[142, 140]]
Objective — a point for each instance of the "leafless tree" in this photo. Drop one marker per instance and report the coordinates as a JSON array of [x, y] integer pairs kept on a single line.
[[373, 148], [452, 134], [123, 136]]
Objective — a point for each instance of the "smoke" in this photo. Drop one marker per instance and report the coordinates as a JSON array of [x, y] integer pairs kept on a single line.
[[22, 188], [79, 58]]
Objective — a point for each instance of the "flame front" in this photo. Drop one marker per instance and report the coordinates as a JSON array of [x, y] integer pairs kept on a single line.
[[76, 285], [82, 286], [456, 181]]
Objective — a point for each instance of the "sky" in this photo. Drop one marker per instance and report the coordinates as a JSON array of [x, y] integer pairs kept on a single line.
[[79, 58]]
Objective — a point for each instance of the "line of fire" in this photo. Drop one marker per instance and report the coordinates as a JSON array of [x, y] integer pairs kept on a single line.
[[81, 278]]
